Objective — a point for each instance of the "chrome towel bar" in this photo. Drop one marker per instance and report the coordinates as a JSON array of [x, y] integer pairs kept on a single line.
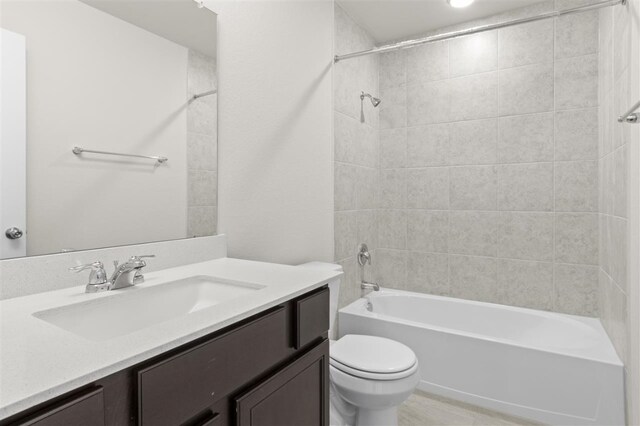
[[77, 151], [631, 116], [200, 95]]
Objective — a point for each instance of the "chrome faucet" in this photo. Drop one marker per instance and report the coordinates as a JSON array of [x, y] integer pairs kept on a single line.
[[364, 258], [125, 275], [365, 285], [128, 274]]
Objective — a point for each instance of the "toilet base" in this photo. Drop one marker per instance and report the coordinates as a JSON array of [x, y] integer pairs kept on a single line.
[[385, 417]]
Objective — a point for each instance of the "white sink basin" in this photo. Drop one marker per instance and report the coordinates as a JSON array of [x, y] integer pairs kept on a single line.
[[135, 308]]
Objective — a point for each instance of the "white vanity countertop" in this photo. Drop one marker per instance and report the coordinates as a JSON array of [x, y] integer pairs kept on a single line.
[[39, 361]]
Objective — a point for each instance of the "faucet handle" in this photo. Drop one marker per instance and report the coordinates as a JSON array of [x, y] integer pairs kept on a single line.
[[364, 256], [139, 258], [97, 265], [138, 278], [97, 278]]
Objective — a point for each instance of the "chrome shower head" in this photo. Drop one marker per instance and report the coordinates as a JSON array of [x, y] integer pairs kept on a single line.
[[374, 101]]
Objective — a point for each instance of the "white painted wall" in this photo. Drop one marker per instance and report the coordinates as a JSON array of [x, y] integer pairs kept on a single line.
[[275, 129], [98, 82]]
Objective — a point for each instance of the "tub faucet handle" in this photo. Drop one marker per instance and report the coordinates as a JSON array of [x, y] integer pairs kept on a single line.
[[364, 257]]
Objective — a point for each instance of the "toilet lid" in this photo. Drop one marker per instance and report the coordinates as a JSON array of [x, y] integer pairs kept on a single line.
[[372, 354]]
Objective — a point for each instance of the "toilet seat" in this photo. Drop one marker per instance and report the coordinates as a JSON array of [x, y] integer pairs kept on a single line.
[[373, 376], [373, 357]]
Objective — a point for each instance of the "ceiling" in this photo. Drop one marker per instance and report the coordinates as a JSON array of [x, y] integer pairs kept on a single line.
[[392, 20], [180, 21]]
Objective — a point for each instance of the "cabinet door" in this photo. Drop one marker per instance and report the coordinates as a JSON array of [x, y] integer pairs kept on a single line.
[[297, 395]]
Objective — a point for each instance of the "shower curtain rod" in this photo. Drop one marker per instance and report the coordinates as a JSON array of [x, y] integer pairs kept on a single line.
[[454, 34]]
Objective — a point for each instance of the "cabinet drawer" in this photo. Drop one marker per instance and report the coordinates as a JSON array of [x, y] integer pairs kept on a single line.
[[312, 317], [84, 409], [174, 390]]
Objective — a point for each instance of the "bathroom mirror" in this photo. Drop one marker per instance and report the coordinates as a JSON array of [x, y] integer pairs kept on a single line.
[[84, 81]]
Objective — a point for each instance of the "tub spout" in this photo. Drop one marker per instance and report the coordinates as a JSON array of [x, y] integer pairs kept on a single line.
[[364, 285]]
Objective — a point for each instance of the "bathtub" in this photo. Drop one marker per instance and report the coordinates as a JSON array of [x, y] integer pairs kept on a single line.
[[541, 366]]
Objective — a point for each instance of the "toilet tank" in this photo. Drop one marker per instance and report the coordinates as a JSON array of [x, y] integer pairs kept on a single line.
[[334, 290]]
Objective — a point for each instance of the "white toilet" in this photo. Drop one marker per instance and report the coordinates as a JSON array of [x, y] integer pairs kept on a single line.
[[370, 376]]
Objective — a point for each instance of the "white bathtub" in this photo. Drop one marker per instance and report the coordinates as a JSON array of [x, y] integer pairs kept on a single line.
[[547, 367]]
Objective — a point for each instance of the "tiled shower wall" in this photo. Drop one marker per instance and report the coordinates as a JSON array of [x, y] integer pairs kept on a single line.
[[619, 64], [356, 166], [489, 172], [202, 146]]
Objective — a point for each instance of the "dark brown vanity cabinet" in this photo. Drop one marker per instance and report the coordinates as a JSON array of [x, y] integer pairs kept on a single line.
[[268, 370]]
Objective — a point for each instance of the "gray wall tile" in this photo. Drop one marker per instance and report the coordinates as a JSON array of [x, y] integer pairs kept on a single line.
[[202, 221], [613, 313], [577, 134], [473, 142], [576, 186], [576, 289], [473, 54], [350, 282], [429, 62], [526, 283], [367, 188], [617, 246], [346, 234], [355, 142], [620, 181], [393, 109], [393, 69], [428, 188], [428, 145], [474, 96], [525, 187], [473, 232], [391, 268], [393, 188], [393, 148], [474, 278], [344, 192], [576, 35], [576, 238], [525, 44], [576, 82], [526, 89], [526, 139], [202, 188], [202, 152], [368, 228], [473, 188], [392, 229], [428, 230], [428, 103], [526, 236], [428, 273]]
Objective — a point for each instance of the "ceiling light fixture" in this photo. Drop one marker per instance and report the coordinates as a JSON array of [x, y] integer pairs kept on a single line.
[[459, 3]]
